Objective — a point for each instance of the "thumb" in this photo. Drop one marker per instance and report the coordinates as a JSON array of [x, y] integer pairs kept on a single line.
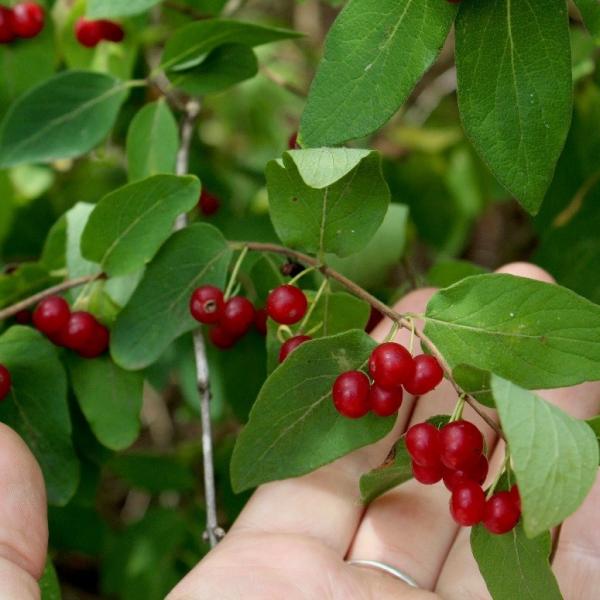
[[23, 521]]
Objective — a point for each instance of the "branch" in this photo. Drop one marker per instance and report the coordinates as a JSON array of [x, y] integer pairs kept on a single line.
[[11, 311], [361, 293], [282, 83], [213, 532]]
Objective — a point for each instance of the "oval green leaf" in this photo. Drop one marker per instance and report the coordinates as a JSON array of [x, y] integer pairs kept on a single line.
[[554, 456], [101, 9], [130, 224], [535, 334], [65, 116], [294, 427]]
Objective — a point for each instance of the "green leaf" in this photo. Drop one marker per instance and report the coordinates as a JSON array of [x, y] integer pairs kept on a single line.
[[328, 199], [447, 272], [224, 67], [590, 11], [379, 481], [476, 382], [336, 312], [152, 141], [37, 408], [514, 566], [375, 53], [595, 425], [190, 45], [536, 334], [294, 427], [513, 62], [49, 584], [130, 224], [63, 117], [372, 266], [77, 266], [158, 311], [100, 9], [25, 281], [110, 398], [554, 456]]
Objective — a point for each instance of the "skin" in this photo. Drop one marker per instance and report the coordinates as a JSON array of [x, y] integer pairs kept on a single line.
[[293, 537]]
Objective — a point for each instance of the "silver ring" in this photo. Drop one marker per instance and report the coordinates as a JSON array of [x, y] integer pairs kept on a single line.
[[375, 564]]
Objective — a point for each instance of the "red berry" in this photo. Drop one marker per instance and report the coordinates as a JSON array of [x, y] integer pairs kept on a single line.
[[51, 315], [238, 316], [422, 443], [23, 317], [221, 338], [111, 31], [27, 19], [427, 475], [391, 365], [385, 402], [516, 496], [351, 394], [5, 382], [207, 304], [287, 304], [461, 444], [7, 33], [260, 321], [477, 473], [293, 141], [374, 319], [208, 203], [467, 503], [290, 345], [426, 376], [501, 513], [88, 33], [79, 331], [97, 344]]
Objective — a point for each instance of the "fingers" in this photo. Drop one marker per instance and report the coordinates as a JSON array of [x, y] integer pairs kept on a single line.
[[410, 527], [23, 524], [325, 504]]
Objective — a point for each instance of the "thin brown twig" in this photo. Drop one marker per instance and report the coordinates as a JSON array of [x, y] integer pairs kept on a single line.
[[282, 83], [11, 311], [385, 310]]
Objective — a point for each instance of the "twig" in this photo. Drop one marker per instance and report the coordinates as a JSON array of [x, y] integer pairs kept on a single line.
[[11, 311], [282, 83], [213, 532], [359, 292]]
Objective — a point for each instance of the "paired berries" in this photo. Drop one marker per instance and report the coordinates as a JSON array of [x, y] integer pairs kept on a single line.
[[454, 453], [5, 382], [90, 33], [79, 331], [392, 368], [229, 320], [208, 204], [25, 20]]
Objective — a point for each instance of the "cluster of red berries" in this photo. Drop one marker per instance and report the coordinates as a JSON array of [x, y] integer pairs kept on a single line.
[[78, 331], [24, 20], [455, 453], [392, 368], [90, 33], [230, 319], [5, 382], [208, 203]]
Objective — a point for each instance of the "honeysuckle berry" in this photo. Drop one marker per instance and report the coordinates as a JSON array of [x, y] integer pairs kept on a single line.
[[467, 503], [5, 382], [391, 365], [238, 316], [97, 344], [24, 317], [287, 304], [111, 31], [427, 475], [208, 203], [7, 33], [385, 402], [260, 320], [426, 376], [461, 444], [27, 19], [79, 331], [221, 338], [51, 315], [207, 304], [501, 513], [88, 33], [351, 394], [476, 472], [290, 345], [423, 445]]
